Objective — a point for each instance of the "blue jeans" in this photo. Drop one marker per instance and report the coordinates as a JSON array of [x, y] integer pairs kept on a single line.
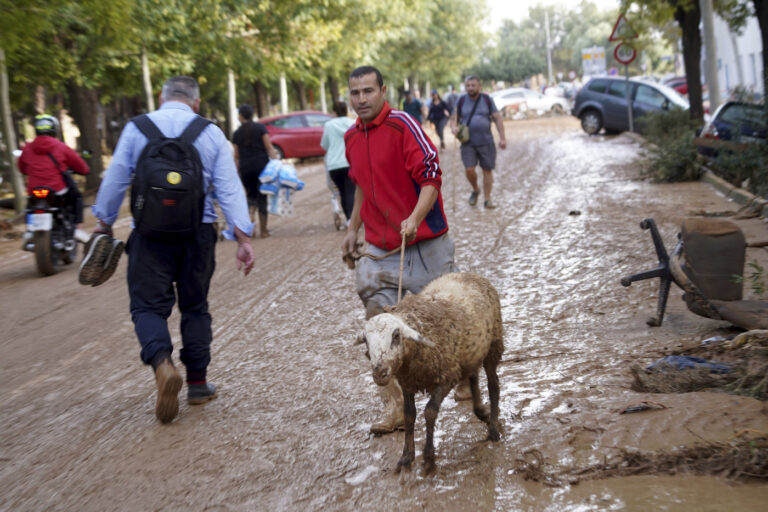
[[154, 267]]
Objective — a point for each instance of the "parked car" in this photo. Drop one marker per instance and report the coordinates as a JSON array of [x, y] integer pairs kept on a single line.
[[678, 83], [298, 134], [735, 123], [514, 99], [602, 103]]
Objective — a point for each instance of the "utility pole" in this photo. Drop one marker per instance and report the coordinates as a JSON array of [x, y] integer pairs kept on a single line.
[[549, 49], [711, 54]]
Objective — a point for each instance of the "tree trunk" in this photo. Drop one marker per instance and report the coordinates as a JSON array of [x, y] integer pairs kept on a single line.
[[262, 104], [85, 110], [9, 136], [301, 94], [761, 12], [333, 84], [689, 23], [39, 100]]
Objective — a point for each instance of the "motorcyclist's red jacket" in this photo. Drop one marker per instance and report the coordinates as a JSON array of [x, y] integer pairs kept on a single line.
[[391, 159], [40, 169]]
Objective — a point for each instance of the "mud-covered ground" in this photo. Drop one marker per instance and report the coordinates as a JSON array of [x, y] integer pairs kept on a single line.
[[289, 430]]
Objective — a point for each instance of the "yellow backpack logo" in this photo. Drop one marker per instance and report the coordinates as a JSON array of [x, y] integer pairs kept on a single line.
[[173, 178]]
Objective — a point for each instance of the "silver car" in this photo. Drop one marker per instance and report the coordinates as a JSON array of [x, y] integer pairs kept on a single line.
[[602, 103]]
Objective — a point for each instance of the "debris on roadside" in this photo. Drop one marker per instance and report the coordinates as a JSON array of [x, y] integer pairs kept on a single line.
[[644, 405]]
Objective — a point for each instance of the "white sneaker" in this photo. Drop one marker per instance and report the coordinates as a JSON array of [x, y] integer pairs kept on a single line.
[[81, 236]]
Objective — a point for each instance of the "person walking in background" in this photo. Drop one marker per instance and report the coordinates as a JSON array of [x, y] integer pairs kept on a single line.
[[438, 114], [162, 270], [253, 150], [412, 106], [476, 109], [335, 160], [397, 175]]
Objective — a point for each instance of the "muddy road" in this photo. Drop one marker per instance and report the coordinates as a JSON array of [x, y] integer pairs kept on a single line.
[[289, 430]]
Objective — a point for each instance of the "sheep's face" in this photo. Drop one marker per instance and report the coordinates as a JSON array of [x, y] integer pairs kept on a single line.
[[383, 335]]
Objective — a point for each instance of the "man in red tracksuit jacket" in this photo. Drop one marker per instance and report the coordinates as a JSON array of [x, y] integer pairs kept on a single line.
[[397, 175], [45, 159]]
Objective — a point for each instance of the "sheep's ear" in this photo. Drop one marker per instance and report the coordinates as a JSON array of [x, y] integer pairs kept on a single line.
[[361, 339], [396, 337]]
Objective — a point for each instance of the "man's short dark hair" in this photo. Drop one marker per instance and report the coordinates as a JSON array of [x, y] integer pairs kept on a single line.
[[340, 108], [181, 88], [471, 77], [367, 70]]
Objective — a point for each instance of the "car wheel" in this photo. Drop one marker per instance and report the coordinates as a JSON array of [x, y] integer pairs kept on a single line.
[[591, 121], [557, 108], [279, 151]]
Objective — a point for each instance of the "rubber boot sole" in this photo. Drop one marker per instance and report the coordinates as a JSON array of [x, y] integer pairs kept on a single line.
[[95, 258], [203, 399], [168, 386], [118, 246]]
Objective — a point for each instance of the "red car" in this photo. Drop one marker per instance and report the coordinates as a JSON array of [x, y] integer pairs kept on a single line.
[[678, 83], [298, 134]]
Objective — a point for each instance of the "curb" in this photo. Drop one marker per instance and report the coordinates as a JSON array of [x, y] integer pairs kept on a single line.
[[736, 194]]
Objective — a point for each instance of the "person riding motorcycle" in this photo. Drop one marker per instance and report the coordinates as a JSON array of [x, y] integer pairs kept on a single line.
[[44, 161]]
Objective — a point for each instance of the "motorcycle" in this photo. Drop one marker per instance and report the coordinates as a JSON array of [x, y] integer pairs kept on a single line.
[[50, 230]]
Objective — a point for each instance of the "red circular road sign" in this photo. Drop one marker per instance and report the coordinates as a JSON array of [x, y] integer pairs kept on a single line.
[[624, 53]]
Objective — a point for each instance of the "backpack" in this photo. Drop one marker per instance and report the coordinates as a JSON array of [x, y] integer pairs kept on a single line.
[[167, 192]]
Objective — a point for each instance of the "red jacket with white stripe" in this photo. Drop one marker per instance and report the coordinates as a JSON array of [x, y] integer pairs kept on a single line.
[[391, 159]]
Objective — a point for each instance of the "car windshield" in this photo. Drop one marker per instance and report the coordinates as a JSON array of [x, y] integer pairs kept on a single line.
[[317, 119], [743, 114], [288, 122], [673, 96]]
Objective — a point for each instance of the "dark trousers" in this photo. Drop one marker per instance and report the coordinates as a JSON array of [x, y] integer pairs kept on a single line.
[[73, 198], [154, 267], [346, 188]]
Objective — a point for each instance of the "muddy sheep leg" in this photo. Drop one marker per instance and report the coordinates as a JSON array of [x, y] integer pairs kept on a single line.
[[481, 411], [490, 365], [409, 449], [430, 416]]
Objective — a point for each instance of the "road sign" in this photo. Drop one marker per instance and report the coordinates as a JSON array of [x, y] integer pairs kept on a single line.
[[624, 53], [622, 30], [593, 61]]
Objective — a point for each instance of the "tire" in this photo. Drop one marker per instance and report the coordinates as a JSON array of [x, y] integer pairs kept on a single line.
[[45, 256], [279, 151], [591, 121], [558, 109]]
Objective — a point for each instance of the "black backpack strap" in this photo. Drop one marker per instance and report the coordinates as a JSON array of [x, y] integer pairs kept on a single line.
[[194, 129], [147, 127]]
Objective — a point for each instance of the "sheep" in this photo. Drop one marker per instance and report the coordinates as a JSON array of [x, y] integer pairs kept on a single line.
[[433, 340]]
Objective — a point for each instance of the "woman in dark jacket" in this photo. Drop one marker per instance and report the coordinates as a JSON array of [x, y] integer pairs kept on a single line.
[[438, 114], [253, 151]]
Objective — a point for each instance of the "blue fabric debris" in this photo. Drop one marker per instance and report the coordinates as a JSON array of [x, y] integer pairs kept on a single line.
[[688, 363]]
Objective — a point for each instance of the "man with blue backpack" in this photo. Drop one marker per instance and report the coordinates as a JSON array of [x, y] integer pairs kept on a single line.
[[176, 163]]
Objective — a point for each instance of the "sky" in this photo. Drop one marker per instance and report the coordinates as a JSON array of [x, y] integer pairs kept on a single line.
[[517, 10]]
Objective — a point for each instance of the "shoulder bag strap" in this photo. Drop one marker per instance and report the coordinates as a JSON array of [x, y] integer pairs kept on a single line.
[[473, 111]]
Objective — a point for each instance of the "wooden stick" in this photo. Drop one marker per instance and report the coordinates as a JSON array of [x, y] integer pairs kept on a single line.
[[400, 280], [453, 174]]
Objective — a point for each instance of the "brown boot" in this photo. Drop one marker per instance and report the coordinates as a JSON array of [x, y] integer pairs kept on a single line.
[[168, 386], [462, 391], [263, 233], [393, 418]]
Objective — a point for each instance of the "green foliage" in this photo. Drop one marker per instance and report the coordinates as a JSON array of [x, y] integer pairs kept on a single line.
[[756, 278], [748, 165], [672, 153]]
